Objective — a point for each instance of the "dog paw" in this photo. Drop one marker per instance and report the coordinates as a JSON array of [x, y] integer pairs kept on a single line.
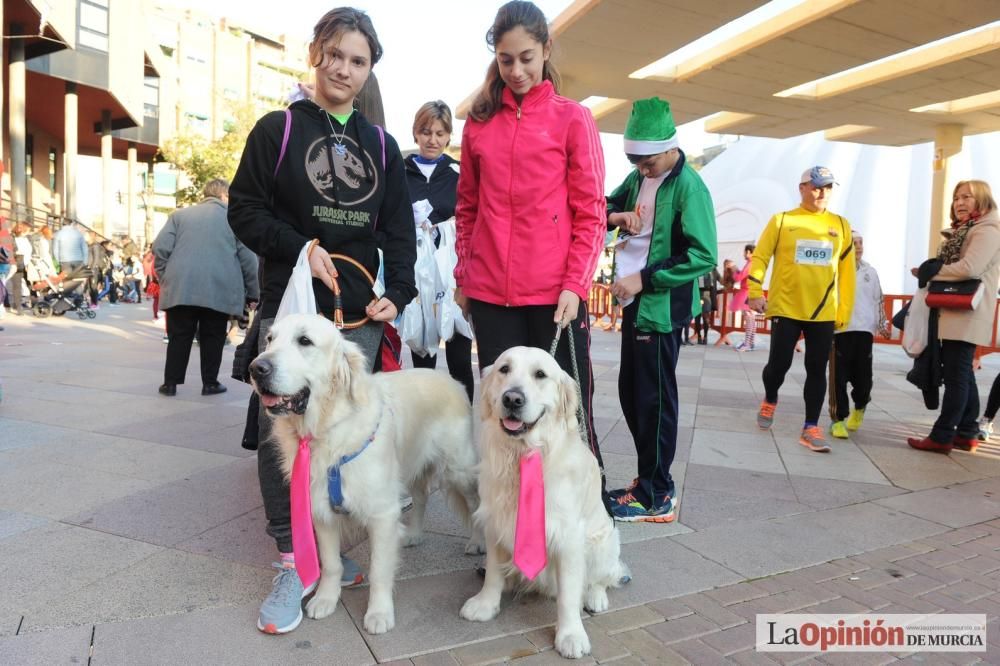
[[475, 547], [572, 643], [479, 610], [412, 539], [377, 622], [319, 607], [596, 600]]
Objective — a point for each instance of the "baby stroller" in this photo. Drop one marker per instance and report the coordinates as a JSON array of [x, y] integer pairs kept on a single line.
[[62, 293]]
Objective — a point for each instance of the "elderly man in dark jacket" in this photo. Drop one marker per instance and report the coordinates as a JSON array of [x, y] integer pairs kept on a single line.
[[206, 275]]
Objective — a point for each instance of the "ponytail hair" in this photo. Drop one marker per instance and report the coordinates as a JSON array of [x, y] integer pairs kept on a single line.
[[511, 15], [369, 101], [728, 270]]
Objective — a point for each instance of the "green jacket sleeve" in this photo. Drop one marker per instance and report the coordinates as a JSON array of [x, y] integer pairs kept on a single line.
[[618, 200], [697, 219]]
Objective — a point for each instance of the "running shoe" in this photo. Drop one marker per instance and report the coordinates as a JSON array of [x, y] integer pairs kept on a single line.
[[855, 419], [765, 417], [352, 575], [630, 510], [839, 430], [281, 611], [621, 492], [812, 439]]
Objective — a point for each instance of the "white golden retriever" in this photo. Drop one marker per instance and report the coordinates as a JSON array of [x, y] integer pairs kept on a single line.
[[418, 426], [529, 401]]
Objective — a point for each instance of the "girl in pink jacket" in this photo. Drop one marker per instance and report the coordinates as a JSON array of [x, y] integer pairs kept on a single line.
[[739, 303], [530, 214]]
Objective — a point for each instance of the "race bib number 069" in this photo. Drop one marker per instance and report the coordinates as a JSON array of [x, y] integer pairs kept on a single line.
[[814, 252]]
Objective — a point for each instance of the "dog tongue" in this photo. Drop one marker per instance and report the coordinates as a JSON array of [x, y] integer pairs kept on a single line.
[[269, 400], [512, 424]]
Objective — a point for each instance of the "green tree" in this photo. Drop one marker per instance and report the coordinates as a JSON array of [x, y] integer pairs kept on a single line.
[[202, 160]]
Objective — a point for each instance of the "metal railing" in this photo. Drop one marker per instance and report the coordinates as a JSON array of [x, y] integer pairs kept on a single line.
[[37, 218], [606, 314]]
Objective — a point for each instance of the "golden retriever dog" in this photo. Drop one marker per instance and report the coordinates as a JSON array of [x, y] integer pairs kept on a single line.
[[411, 428], [528, 402]]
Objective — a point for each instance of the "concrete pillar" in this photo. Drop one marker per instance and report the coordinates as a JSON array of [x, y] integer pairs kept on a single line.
[[108, 197], [18, 177], [251, 54], [947, 144], [132, 173], [215, 121], [148, 201], [71, 139], [2, 88]]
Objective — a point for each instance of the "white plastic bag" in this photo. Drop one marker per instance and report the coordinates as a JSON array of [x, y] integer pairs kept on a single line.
[[421, 212], [915, 331], [298, 297], [419, 328], [452, 321], [431, 291], [411, 327]]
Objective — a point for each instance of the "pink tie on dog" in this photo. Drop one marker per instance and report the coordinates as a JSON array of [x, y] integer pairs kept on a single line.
[[303, 539], [529, 531]]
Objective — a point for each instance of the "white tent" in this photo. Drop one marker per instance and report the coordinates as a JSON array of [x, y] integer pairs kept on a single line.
[[884, 192]]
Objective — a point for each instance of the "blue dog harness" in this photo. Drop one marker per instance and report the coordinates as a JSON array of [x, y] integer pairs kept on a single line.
[[334, 487]]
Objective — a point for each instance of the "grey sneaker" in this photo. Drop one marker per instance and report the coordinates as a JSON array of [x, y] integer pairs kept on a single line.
[[281, 612], [765, 417], [352, 573]]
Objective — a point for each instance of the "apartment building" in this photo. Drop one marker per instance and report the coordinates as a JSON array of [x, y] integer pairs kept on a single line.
[[93, 88]]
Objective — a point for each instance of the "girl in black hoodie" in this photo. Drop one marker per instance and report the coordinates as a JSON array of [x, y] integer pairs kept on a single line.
[[320, 170]]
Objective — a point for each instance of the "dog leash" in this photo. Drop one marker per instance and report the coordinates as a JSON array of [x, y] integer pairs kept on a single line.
[[338, 301], [581, 418]]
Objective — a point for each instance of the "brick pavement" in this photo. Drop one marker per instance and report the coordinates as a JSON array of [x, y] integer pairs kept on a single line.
[[153, 549], [954, 572]]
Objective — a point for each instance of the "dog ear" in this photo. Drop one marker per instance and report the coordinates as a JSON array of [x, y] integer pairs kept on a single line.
[[568, 401], [359, 369], [349, 368], [486, 381]]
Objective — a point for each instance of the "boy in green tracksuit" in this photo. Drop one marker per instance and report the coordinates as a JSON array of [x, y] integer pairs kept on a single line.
[[667, 241]]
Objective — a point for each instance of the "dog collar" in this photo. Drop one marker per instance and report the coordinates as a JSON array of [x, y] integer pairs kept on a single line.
[[334, 486]]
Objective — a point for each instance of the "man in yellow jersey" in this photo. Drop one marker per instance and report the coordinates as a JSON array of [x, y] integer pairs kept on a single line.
[[811, 294]]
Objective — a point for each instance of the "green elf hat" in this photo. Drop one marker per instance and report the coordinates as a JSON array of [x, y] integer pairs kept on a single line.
[[650, 129]]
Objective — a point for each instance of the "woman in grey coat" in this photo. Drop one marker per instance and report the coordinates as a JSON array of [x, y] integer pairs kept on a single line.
[[206, 276]]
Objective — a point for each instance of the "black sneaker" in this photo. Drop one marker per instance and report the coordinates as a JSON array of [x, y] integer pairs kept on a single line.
[[213, 388], [168, 389]]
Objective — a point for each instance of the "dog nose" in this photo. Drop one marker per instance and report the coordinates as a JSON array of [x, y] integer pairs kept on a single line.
[[260, 368], [513, 399]]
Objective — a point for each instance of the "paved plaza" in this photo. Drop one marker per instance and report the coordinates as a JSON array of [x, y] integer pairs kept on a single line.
[[132, 531]]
